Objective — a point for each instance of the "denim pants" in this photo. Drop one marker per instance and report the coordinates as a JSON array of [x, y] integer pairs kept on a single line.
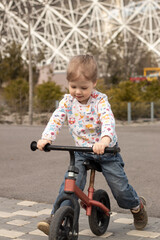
[[113, 170]]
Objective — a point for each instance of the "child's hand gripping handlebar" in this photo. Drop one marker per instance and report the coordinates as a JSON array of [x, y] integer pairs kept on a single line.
[[48, 147]]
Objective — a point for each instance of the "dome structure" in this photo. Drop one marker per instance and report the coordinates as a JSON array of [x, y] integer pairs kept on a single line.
[[63, 28]]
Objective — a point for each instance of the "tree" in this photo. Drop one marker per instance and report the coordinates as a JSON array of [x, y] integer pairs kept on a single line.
[[12, 65], [46, 95], [120, 59], [16, 95]]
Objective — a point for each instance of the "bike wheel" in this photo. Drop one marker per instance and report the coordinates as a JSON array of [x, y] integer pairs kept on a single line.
[[62, 225], [98, 221]]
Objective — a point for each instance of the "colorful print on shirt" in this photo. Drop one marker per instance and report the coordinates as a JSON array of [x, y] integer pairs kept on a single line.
[[88, 123]]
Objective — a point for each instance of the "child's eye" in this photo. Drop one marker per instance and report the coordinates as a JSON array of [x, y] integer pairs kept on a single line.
[[84, 88], [73, 86]]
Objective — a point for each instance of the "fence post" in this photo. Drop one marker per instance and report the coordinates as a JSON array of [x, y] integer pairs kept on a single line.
[[57, 103], [129, 112], [152, 111]]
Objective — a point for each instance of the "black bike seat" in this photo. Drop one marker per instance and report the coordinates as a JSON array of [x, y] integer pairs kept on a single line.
[[90, 164]]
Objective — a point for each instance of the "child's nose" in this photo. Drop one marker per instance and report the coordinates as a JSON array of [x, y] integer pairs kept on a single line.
[[78, 91]]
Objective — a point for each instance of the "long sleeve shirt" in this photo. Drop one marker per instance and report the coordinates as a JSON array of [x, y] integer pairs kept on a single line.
[[88, 123]]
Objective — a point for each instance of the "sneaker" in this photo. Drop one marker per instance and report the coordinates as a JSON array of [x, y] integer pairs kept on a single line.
[[45, 224], [140, 216]]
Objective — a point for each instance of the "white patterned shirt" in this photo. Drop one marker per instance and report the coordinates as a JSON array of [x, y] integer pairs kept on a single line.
[[88, 123]]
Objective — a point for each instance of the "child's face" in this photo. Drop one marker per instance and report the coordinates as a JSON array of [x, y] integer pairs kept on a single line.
[[81, 90]]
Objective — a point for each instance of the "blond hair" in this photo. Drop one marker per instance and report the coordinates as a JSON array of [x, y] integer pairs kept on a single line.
[[82, 66]]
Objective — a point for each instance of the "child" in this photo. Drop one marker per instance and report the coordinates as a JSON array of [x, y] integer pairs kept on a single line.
[[91, 123]]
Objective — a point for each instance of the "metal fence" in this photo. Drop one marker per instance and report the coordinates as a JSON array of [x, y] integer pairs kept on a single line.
[[144, 111]]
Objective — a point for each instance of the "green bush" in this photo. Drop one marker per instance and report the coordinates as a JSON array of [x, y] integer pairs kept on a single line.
[[139, 94], [157, 109], [119, 110], [46, 95], [150, 91], [16, 96]]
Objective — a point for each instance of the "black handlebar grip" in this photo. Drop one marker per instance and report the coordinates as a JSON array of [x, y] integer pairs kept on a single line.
[[46, 147], [33, 146]]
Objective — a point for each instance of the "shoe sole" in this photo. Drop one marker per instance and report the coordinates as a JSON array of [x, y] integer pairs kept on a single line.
[[44, 227]]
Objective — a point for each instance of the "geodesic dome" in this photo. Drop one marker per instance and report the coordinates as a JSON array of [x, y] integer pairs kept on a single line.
[[63, 28]]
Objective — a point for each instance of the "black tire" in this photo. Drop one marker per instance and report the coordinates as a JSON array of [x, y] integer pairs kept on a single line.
[[62, 224], [98, 221]]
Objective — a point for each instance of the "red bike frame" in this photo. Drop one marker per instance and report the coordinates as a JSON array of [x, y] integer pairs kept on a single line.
[[87, 201], [70, 182]]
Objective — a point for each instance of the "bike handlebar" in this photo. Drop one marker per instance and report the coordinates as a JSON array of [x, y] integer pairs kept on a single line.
[[48, 147]]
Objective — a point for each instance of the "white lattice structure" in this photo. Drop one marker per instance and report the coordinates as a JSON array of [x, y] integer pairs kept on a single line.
[[63, 28]]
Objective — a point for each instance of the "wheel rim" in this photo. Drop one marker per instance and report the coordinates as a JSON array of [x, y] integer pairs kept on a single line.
[[65, 229]]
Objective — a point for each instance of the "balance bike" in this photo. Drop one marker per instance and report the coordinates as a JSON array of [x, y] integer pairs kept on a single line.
[[65, 223]]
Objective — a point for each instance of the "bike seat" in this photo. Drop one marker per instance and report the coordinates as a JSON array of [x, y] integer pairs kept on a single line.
[[90, 164]]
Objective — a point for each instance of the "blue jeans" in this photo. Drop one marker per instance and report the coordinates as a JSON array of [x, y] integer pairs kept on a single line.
[[113, 170]]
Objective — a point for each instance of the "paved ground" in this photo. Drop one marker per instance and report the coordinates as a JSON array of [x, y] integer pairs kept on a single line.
[[18, 220], [36, 176]]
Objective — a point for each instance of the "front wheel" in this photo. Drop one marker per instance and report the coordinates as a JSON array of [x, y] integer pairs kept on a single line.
[[98, 221], [61, 226]]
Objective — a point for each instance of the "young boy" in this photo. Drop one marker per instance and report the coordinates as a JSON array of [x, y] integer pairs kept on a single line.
[[91, 123]]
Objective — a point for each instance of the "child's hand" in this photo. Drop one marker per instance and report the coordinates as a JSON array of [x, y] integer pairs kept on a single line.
[[99, 147], [41, 143]]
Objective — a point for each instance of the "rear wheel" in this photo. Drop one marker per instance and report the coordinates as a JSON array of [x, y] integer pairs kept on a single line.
[[61, 226], [98, 221]]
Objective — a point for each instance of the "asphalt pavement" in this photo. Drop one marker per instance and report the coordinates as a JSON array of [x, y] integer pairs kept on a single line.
[[29, 181]]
